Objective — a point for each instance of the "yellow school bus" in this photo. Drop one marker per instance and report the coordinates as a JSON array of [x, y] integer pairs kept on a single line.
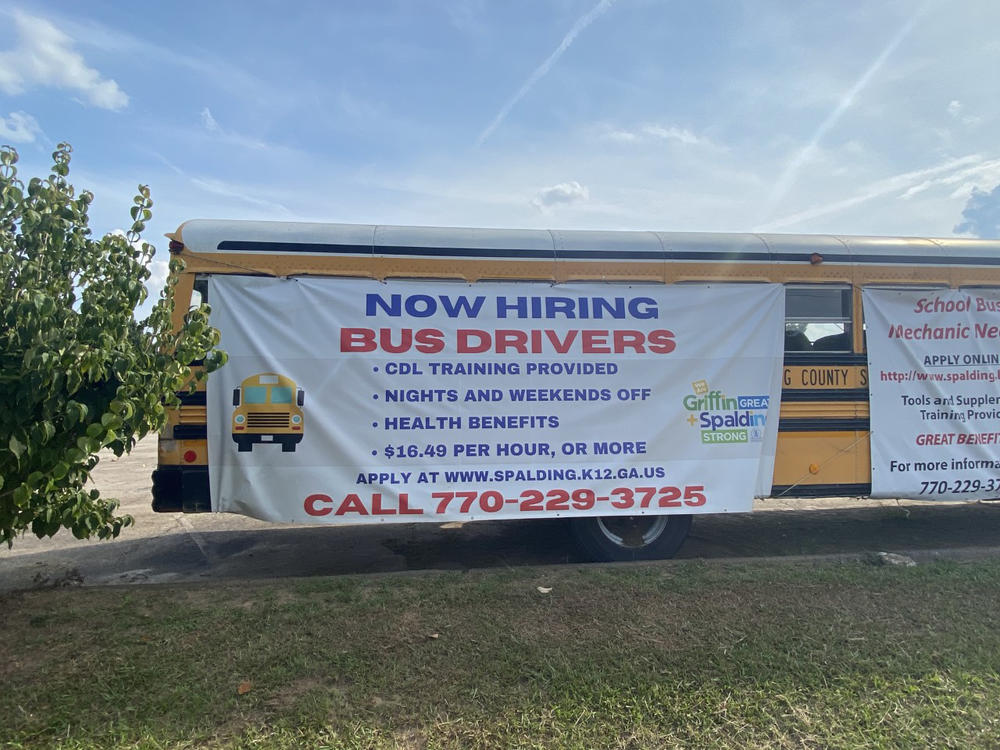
[[823, 439], [268, 410]]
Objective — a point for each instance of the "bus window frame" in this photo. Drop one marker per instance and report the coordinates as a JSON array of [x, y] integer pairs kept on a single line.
[[846, 290], [199, 288]]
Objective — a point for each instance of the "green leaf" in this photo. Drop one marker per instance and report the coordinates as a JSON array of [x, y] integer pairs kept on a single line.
[[21, 495], [16, 446]]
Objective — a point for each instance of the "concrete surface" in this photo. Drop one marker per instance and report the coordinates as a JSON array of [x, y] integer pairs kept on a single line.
[[178, 547]]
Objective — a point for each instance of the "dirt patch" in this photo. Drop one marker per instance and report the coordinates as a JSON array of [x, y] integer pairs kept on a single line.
[[288, 696], [409, 739]]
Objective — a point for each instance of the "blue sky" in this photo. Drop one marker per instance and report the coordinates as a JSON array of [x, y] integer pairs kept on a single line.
[[842, 117]]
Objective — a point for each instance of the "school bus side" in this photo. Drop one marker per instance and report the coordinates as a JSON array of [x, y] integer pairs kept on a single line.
[[823, 446]]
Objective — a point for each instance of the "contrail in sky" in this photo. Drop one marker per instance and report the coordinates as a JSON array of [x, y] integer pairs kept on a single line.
[[582, 23], [908, 183], [788, 177]]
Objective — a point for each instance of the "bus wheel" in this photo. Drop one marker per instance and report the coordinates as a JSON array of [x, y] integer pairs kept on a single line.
[[243, 444], [288, 446], [620, 538]]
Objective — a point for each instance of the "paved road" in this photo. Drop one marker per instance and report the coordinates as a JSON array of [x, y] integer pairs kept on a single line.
[[177, 547]]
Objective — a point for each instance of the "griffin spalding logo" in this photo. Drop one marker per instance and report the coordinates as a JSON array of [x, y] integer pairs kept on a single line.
[[722, 419]]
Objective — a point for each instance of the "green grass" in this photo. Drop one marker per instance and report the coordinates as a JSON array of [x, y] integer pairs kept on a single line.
[[682, 654]]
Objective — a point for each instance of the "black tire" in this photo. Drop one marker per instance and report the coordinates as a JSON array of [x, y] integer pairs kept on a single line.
[[623, 538], [244, 445], [288, 446]]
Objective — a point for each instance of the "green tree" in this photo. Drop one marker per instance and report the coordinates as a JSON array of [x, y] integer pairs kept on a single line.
[[78, 372]]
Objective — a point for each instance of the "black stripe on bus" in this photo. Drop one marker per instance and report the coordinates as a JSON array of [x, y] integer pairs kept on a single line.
[[923, 260], [192, 399], [789, 395], [258, 246], [808, 359], [820, 424], [198, 398], [820, 490], [805, 424], [190, 432], [254, 246], [658, 255], [242, 246]]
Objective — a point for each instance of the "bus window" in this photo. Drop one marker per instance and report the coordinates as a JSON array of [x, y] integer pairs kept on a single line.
[[199, 293], [255, 394], [281, 394], [818, 318]]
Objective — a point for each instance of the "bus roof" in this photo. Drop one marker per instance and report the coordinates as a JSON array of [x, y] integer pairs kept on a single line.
[[210, 236]]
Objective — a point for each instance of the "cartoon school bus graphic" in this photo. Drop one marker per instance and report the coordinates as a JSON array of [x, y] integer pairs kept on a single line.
[[268, 410]]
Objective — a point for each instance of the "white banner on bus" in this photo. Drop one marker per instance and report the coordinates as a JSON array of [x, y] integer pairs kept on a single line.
[[354, 401], [934, 369]]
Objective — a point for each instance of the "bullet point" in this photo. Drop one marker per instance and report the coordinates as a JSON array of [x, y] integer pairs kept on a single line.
[[374, 453], [375, 396], [374, 369], [374, 424]]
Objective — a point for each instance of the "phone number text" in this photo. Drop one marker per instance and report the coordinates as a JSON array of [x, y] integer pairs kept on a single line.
[[960, 486], [493, 501]]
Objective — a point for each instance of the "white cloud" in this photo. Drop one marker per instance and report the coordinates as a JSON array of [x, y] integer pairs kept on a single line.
[[969, 180], [159, 270], [563, 193], [44, 56], [187, 203], [209, 122], [182, 53], [985, 173], [957, 111], [212, 125], [622, 136], [227, 190], [681, 135], [655, 131], [465, 16], [20, 127], [982, 214]]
